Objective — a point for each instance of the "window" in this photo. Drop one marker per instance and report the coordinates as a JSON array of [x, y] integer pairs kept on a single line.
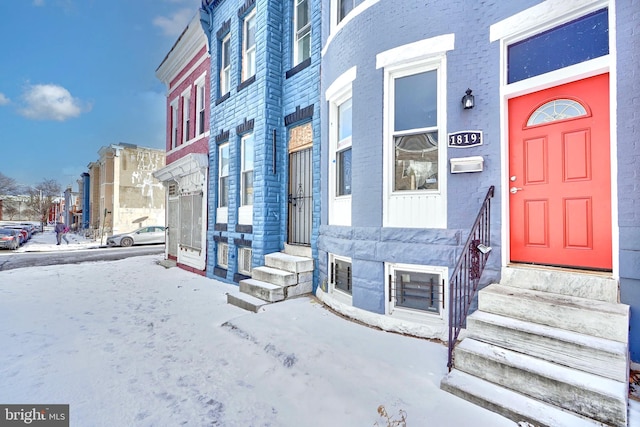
[[574, 42], [339, 96], [344, 7], [246, 182], [223, 173], [225, 65], [201, 103], [559, 109], [343, 153], [186, 116], [415, 131], [302, 31], [244, 261], [174, 124], [340, 274], [249, 46], [222, 258], [416, 289], [191, 220]]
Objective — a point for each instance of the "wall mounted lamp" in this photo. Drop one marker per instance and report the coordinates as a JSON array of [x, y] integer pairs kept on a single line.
[[468, 100]]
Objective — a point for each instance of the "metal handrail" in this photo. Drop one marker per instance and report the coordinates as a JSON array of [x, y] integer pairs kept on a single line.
[[463, 283]]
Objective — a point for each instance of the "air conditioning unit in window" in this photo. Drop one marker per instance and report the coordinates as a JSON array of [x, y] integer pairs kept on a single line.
[[244, 261], [223, 255]]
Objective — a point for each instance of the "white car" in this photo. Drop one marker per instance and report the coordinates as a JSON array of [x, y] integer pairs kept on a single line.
[[153, 234]]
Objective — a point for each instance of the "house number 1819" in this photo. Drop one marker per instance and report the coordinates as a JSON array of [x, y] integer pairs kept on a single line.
[[467, 138]]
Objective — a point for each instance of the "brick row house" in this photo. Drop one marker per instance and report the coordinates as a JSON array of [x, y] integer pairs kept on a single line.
[[186, 73], [480, 146]]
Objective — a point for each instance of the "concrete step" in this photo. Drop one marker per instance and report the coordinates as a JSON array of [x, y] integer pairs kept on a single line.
[[298, 250], [510, 404], [245, 301], [582, 284], [263, 290], [585, 316], [292, 263], [598, 356], [585, 394], [274, 275]]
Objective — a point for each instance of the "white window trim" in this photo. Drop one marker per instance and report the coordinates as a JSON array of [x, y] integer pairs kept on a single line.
[[245, 212], [186, 111], [428, 207], [174, 123], [337, 93], [337, 27], [436, 320], [201, 93], [222, 212], [225, 72], [246, 50], [336, 293], [295, 37]]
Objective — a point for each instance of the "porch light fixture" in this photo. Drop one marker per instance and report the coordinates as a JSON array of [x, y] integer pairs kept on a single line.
[[468, 100], [484, 249]]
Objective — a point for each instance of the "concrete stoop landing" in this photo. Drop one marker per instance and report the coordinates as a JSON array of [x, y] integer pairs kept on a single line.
[[549, 347], [285, 275]]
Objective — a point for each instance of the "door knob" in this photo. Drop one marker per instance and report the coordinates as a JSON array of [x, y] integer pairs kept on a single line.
[[514, 190]]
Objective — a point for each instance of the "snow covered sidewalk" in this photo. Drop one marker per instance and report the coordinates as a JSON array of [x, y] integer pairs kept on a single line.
[[130, 343], [46, 242]]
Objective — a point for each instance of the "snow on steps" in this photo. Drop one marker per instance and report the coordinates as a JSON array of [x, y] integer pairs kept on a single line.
[[590, 354], [520, 408], [590, 317], [586, 394]]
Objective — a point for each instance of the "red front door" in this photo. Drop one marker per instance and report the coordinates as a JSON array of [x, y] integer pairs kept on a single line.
[[559, 175]]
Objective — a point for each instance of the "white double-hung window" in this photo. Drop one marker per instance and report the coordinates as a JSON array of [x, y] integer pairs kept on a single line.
[[223, 183], [174, 124], [414, 134], [245, 213], [186, 115], [225, 65], [201, 106], [249, 46], [339, 96], [302, 31]]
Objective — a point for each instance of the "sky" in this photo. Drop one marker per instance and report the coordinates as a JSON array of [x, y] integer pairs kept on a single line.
[[77, 75]]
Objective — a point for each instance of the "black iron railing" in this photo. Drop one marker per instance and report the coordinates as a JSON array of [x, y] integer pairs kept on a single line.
[[463, 283]]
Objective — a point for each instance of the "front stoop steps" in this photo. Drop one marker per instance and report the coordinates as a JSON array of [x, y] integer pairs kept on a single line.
[[549, 347], [285, 275]]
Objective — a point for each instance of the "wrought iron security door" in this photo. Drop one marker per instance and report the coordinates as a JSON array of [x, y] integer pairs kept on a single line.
[[300, 197]]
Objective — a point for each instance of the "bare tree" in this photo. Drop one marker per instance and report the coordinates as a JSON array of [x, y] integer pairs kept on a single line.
[[41, 198], [10, 211], [8, 186]]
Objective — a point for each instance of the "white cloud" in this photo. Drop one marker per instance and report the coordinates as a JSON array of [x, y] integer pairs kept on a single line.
[[51, 102], [3, 99], [174, 24]]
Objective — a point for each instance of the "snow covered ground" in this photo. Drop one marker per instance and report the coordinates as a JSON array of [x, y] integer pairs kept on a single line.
[[46, 242], [130, 343]]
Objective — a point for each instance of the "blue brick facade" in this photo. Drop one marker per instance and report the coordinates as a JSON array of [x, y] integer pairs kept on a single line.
[[473, 62], [259, 107]]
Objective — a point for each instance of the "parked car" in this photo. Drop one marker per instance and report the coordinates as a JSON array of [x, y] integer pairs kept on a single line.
[[10, 238], [22, 229], [142, 236]]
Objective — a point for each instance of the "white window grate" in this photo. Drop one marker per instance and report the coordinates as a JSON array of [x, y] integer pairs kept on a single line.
[[223, 255], [173, 190], [244, 261]]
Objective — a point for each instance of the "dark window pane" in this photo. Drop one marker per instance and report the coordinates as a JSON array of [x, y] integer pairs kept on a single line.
[[344, 172], [569, 44], [419, 291], [416, 162], [342, 275], [416, 101]]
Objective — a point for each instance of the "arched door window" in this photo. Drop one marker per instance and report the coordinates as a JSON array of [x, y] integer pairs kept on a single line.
[[558, 109]]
